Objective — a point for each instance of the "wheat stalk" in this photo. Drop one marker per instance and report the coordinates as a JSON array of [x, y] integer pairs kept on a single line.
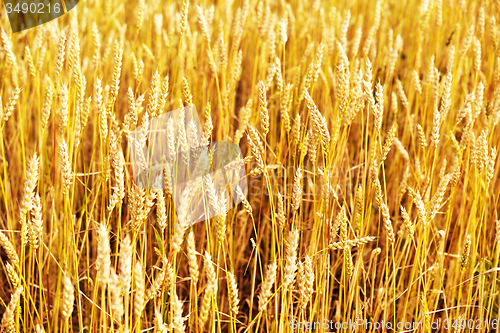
[[8, 319], [210, 290], [305, 278], [67, 173], [233, 293], [139, 290], [68, 298], [290, 259], [103, 262], [267, 284]]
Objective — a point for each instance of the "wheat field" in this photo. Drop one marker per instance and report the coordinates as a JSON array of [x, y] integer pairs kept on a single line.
[[369, 133]]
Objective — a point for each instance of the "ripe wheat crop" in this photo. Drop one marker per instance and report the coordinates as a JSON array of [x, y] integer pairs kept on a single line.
[[369, 133]]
